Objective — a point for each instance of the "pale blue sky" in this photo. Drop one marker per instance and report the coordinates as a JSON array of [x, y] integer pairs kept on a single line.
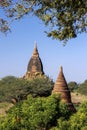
[[16, 49]]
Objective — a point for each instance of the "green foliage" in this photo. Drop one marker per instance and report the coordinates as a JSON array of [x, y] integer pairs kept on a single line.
[[79, 88], [12, 118], [11, 87], [83, 88], [73, 86], [34, 114], [16, 88], [41, 86], [77, 121], [65, 113], [65, 18], [44, 113]]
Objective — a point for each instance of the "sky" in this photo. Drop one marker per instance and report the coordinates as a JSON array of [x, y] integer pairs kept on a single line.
[[16, 50]]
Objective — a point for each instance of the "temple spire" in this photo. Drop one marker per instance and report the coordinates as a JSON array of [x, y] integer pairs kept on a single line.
[[35, 44], [61, 87], [61, 69], [35, 52], [35, 66]]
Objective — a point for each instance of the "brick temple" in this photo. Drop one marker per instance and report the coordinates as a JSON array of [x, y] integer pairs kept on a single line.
[[35, 68], [61, 87]]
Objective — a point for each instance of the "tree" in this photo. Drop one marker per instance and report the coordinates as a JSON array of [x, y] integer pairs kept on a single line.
[[77, 121], [40, 86], [12, 87], [18, 89], [83, 88], [39, 113], [72, 86], [65, 19]]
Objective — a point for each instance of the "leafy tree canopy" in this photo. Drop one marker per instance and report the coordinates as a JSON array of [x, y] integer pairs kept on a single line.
[[44, 113], [16, 88], [77, 121], [72, 86], [35, 114], [78, 87], [65, 19]]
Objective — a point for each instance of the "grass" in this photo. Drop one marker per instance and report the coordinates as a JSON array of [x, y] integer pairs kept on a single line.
[[78, 98], [4, 107]]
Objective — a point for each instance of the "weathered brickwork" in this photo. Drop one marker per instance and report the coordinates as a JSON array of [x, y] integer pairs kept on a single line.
[[61, 87], [35, 66]]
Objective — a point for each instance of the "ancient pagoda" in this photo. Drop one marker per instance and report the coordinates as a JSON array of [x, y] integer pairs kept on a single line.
[[35, 66], [61, 87]]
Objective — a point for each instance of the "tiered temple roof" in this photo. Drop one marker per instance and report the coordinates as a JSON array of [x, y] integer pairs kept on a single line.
[[35, 66], [61, 87]]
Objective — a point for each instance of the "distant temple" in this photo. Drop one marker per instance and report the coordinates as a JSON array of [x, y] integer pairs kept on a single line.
[[35, 66], [61, 87]]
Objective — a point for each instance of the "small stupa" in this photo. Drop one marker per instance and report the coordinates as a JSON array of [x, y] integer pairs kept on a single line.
[[35, 66], [61, 87]]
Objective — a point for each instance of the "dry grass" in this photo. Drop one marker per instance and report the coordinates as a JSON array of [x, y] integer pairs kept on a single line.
[[78, 98], [4, 107]]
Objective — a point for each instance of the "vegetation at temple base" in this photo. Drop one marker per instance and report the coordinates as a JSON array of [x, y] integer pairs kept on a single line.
[[44, 113], [39, 110], [77, 121], [35, 114], [65, 19], [16, 88]]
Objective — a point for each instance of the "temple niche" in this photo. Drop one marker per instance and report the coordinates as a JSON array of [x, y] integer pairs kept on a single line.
[[61, 87], [35, 66]]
